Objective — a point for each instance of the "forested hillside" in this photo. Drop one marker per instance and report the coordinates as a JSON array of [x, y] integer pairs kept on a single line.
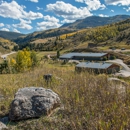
[[41, 35], [6, 45], [108, 35]]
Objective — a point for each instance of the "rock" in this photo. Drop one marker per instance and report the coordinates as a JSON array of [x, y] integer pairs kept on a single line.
[[32, 102], [119, 85], [117, 81], [3, 126]]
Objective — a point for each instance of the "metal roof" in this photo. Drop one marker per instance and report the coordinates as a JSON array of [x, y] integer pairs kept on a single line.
[[93, 65], [71, 55]]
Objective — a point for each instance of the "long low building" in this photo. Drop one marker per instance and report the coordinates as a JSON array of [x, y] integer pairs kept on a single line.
[[85, 56], [98, 67]]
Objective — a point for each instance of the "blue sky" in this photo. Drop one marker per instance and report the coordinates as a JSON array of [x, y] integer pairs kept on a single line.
[[26, 16]]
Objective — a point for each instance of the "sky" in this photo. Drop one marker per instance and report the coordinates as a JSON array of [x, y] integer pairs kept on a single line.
[[27, 16]]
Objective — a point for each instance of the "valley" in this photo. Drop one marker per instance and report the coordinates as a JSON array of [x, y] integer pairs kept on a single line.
[[44, 67]]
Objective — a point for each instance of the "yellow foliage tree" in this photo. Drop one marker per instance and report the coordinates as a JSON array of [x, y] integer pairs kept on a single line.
[[23, 60]]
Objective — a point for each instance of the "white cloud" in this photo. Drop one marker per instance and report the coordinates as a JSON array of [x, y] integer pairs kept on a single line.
[[23, 25], [38, 8], [15, 11], [26, 21], [32, 15], [1, 24], [67, 21], [51, 19], [102, 15], [112, 11], [15, 30], [68, 11], [5, 29], [81, 1], [127, 9], [92, 4], [8, 26], [118, 2], [48, 23], [36, 1]]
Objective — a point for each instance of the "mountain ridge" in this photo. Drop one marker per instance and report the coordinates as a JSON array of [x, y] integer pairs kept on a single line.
[[94, 21], [10, 35], [115, 34]]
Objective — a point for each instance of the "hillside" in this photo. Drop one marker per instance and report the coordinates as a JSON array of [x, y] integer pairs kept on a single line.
[[94, 21], [6, 45], [113, 35], [45, 35], [10, 35]]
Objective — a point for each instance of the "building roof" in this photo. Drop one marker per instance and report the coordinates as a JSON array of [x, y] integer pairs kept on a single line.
[[92, 65], [71, 55]]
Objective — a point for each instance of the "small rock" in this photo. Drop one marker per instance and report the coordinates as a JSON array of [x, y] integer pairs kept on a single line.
[[31, 102], [3, 126], [1, 97]]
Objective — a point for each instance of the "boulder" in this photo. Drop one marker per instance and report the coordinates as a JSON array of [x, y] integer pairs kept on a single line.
[[119, 85], [32, 102], [3, 126]]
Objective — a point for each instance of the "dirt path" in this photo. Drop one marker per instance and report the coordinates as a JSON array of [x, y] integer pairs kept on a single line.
[[121, 63], [125, 71], [118, 50], [5, 55]]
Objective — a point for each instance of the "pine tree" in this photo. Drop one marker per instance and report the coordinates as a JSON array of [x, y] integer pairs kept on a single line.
[[58, 54]]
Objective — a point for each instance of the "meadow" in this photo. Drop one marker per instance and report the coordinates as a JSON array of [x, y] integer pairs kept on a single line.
[[88, 100]]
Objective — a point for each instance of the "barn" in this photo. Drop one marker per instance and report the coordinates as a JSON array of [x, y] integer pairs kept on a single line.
[[98, 67], [85, 56]]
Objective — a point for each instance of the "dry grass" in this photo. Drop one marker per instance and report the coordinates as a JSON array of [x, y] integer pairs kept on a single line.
[[43, 40], [83, 45], [88, 100]]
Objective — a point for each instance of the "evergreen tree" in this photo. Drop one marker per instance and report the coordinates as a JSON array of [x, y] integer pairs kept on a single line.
[[58, 54], [34, 58]]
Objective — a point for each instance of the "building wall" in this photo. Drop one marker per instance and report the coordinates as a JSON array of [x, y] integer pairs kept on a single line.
[[112, 69], [97, 71], [87, 58]]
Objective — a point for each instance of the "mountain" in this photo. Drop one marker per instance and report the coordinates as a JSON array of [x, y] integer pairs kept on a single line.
[[10, 35], [94, 21], [111, 35]]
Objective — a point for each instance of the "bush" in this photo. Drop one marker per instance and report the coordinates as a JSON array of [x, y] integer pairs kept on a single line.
[[104, 58], [112, 57]]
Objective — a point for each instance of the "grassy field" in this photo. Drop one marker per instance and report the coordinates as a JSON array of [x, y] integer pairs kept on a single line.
[[89, 101], [116, 45]]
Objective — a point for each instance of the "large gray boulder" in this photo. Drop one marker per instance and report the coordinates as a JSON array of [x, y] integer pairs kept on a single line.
[[3, 126], [31, 102]]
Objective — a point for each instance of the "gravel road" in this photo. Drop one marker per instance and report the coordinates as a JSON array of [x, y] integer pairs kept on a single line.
[[5, 55], [125, 71]]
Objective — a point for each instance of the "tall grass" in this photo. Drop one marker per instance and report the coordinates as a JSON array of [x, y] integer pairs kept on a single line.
[[88, 100]]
